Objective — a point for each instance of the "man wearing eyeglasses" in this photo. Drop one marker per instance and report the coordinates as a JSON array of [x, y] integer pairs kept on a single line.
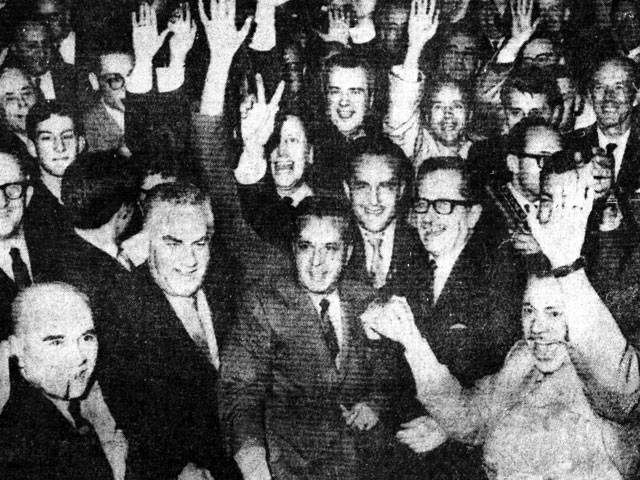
[[104, 121], [468, 304], [15, 260]]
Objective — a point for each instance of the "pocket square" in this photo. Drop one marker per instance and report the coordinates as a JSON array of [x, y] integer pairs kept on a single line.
[[458, 326]]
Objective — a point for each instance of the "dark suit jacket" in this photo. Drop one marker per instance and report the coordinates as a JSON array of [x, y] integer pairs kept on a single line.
[[280, 388], [629, 175], [162, 387], [38, 443], [101, 130], [408, 255], [65, 83]]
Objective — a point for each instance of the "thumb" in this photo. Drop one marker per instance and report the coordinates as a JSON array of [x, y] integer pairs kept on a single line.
[[244, 31], [163, 36]]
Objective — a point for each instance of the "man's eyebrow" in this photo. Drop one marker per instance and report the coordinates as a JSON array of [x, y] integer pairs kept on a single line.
[[171, 238], [91, 331], [49, 338]]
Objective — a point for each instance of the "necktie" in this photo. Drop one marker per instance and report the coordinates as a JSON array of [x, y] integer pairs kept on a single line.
[[610, 148], [21, 275], [376, 267], [328, 331], [432, 281], [82, 425]]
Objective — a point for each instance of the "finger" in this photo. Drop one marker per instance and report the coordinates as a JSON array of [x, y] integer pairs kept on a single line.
[[275, 100], [244, 31], [202, 13], [513, 10], [134, 23], [231, 11], [162, 37], [260, 89], [187, 14], [152, 17]]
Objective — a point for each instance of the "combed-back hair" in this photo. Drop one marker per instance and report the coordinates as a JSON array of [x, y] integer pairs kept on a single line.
[[471, 189], [96, 185], [176, 193], [378, 146], [350, 60], [623, 62], [321, 207]]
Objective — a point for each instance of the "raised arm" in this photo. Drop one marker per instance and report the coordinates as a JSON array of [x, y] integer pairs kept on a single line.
[[406, 83], [605, 360]]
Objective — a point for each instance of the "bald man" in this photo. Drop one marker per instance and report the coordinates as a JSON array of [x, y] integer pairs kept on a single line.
[[56, 423]]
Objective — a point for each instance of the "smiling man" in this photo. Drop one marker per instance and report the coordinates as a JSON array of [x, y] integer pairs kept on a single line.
[[17, 97], [386, 247], [614, 94], [296, 375]]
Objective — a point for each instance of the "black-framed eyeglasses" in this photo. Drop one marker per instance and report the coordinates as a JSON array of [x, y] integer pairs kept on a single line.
[[540, 158], [442, 206], [114, 80], [14, 190]]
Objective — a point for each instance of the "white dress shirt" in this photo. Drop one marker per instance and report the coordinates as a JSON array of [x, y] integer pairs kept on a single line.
[[618, 153], [6, 264], [195, 315], [117, 115], [521, 199], [444, 265]]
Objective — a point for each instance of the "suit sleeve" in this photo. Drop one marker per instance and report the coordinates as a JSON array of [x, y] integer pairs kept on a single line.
[[245, 376]]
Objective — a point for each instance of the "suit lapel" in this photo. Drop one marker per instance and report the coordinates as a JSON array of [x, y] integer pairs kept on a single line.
[[629, 169]]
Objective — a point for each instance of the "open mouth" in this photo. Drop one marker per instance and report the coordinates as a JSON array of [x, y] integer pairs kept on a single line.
[[545, 350], [283, 167], [345, 114]]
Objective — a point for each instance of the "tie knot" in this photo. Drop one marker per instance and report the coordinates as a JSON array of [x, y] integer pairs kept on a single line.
[[610, 148], [432, 264], [324, 307]]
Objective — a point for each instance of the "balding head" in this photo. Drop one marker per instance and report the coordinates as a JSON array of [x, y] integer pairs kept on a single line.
[[54, 339]]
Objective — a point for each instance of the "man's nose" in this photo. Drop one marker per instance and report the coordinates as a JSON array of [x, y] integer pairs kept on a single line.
[[188, 258], [344, 99], [539, 324], [79, 352], [373, 196], [59, 145], [318, 257]]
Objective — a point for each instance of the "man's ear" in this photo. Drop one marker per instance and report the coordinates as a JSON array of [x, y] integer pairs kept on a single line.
[[349, 252], [29, 194], [31, 148], [347, 190], [636, 98], [556, 115], [310, 156], [82, 142], [513, 163], [474, 215], [16, 347], [93, 80]]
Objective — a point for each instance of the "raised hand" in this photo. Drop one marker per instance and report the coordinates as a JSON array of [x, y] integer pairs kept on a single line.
[[184, 32], [522, 27], [219, 26], [146, 39], [422, 434], [272, 3], [257, 117], [423, 22], [560, 230], [393, 320], [338, 26], [360, 417]]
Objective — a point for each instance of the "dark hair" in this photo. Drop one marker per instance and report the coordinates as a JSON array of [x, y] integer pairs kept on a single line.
[[95, 58], [96, 185], [322, 207], [532, 80], [378, 146], [43, 111], [483, 46], [471, 189]]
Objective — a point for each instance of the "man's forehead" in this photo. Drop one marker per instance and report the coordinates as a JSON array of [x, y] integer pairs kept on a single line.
[[612, 73], [32, 32], [462, 41], [121, 63], [348, 77], [538, 46], [543, 293], [374, 167], [443, 183], [12, 82], [542, 140], [527, 100], [447, 93], [9, 169], [166, 217], [321, 230], [71, 315], [55, 123]]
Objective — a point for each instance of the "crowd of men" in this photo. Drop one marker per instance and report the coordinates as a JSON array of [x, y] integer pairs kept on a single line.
[[347, 239]]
